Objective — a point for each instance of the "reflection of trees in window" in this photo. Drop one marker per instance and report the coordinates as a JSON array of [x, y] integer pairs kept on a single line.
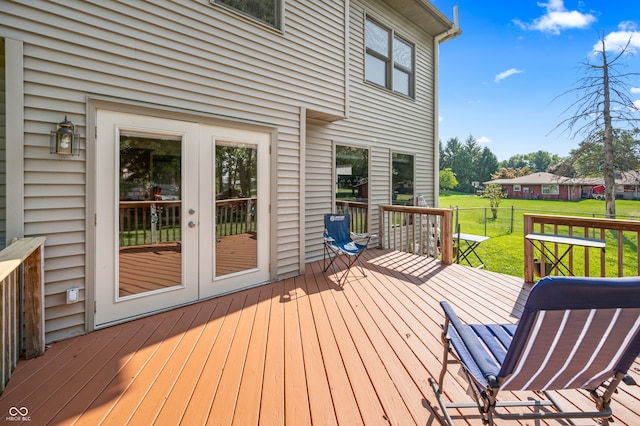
[[147, 163], [352, 171], [236, 171], [264, 10], [401, 179]]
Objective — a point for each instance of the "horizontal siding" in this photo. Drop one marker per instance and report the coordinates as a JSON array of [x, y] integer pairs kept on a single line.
[[186, 55], [385, 121], [3, 145], [198, 57], [318, 185]]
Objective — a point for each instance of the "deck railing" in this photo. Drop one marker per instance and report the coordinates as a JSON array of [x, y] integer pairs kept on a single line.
[[149, 222], [235, 216], [359, 212], [621, 257], [153, 222], [420, 230], [21, 303]]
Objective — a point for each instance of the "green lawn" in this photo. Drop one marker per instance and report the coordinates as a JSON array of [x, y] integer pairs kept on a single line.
[[504, 252]]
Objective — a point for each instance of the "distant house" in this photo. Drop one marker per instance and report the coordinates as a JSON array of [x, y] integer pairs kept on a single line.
[[204, 132], [540, 186], [547, 186]]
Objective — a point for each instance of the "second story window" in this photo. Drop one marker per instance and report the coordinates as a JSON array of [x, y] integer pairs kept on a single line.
[[267, 11], [389, 60]]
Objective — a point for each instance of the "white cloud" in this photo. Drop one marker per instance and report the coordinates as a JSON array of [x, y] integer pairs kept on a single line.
[[483, 139], [635, 90], [557, 19], [507, 73], [615, 41]]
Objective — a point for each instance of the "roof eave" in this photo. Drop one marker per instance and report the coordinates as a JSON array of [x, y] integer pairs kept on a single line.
[[424, 14]]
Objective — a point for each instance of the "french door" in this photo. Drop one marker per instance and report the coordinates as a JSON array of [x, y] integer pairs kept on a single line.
[[182, 213]]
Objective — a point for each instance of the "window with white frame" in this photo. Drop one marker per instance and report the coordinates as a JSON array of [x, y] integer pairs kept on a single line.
[[516, 188], [267, 11], [389, 60], [551, 189]]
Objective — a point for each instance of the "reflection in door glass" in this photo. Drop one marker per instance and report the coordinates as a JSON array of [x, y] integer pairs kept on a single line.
[[149, 215], [236, 208]]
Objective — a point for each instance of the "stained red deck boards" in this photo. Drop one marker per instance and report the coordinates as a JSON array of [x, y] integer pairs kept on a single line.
[[300, 351]]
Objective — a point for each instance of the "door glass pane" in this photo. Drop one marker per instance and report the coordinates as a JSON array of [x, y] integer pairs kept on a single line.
[[149, 230], [236, 207]]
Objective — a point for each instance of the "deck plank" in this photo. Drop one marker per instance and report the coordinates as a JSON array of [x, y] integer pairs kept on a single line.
[[320, 401], [296, 390], [173, 409], [248, 402], [344, 402], [272, 398], [369, 405], [299, 351]]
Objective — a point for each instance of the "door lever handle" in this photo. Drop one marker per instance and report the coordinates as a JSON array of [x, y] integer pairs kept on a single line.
[[191, 224]]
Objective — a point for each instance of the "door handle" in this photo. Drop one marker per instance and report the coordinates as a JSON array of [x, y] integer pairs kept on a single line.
[[191, 224]]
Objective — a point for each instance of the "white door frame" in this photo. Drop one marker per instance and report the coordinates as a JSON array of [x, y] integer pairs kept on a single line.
[[209, 284], [196, 264]]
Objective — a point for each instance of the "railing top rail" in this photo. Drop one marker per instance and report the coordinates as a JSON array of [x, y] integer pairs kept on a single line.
[[148, 203], [234, 200], [352, 203], [413, 209], [614, 224], [12, 256]]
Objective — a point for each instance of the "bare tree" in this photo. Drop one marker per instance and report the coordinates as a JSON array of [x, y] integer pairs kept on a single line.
[[602, 105]]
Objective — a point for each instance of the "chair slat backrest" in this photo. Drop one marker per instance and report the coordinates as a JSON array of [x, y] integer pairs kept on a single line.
[[574, 333], [337, 227]]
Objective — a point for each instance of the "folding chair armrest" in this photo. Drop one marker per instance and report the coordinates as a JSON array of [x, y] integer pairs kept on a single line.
[[362, 235], [471, 344]]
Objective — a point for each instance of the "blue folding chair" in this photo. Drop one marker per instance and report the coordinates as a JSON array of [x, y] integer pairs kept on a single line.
[[338, 244], [574, 333]]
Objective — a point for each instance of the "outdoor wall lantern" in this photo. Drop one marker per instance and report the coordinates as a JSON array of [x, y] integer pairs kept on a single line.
[[64, 140]]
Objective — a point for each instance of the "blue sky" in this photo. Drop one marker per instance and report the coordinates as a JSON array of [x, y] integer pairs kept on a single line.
[[498, 80]]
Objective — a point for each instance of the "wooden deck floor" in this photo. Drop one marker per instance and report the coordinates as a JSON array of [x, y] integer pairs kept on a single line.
[[300, 351]]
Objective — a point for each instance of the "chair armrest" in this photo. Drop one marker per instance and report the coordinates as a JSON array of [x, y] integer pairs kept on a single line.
[[471, 343], [363, 235], [328, 239]]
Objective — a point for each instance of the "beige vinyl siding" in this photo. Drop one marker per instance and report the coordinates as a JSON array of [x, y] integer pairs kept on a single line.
[[379, 119], [319, 191], [189, 56], [3, 145]]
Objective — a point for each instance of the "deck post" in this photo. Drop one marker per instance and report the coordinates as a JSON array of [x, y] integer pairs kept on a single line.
[[528, 250], [447, 237], [34, 303]]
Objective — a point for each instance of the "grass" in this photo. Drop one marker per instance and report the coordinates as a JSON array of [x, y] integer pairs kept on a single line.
[[504, 252]]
